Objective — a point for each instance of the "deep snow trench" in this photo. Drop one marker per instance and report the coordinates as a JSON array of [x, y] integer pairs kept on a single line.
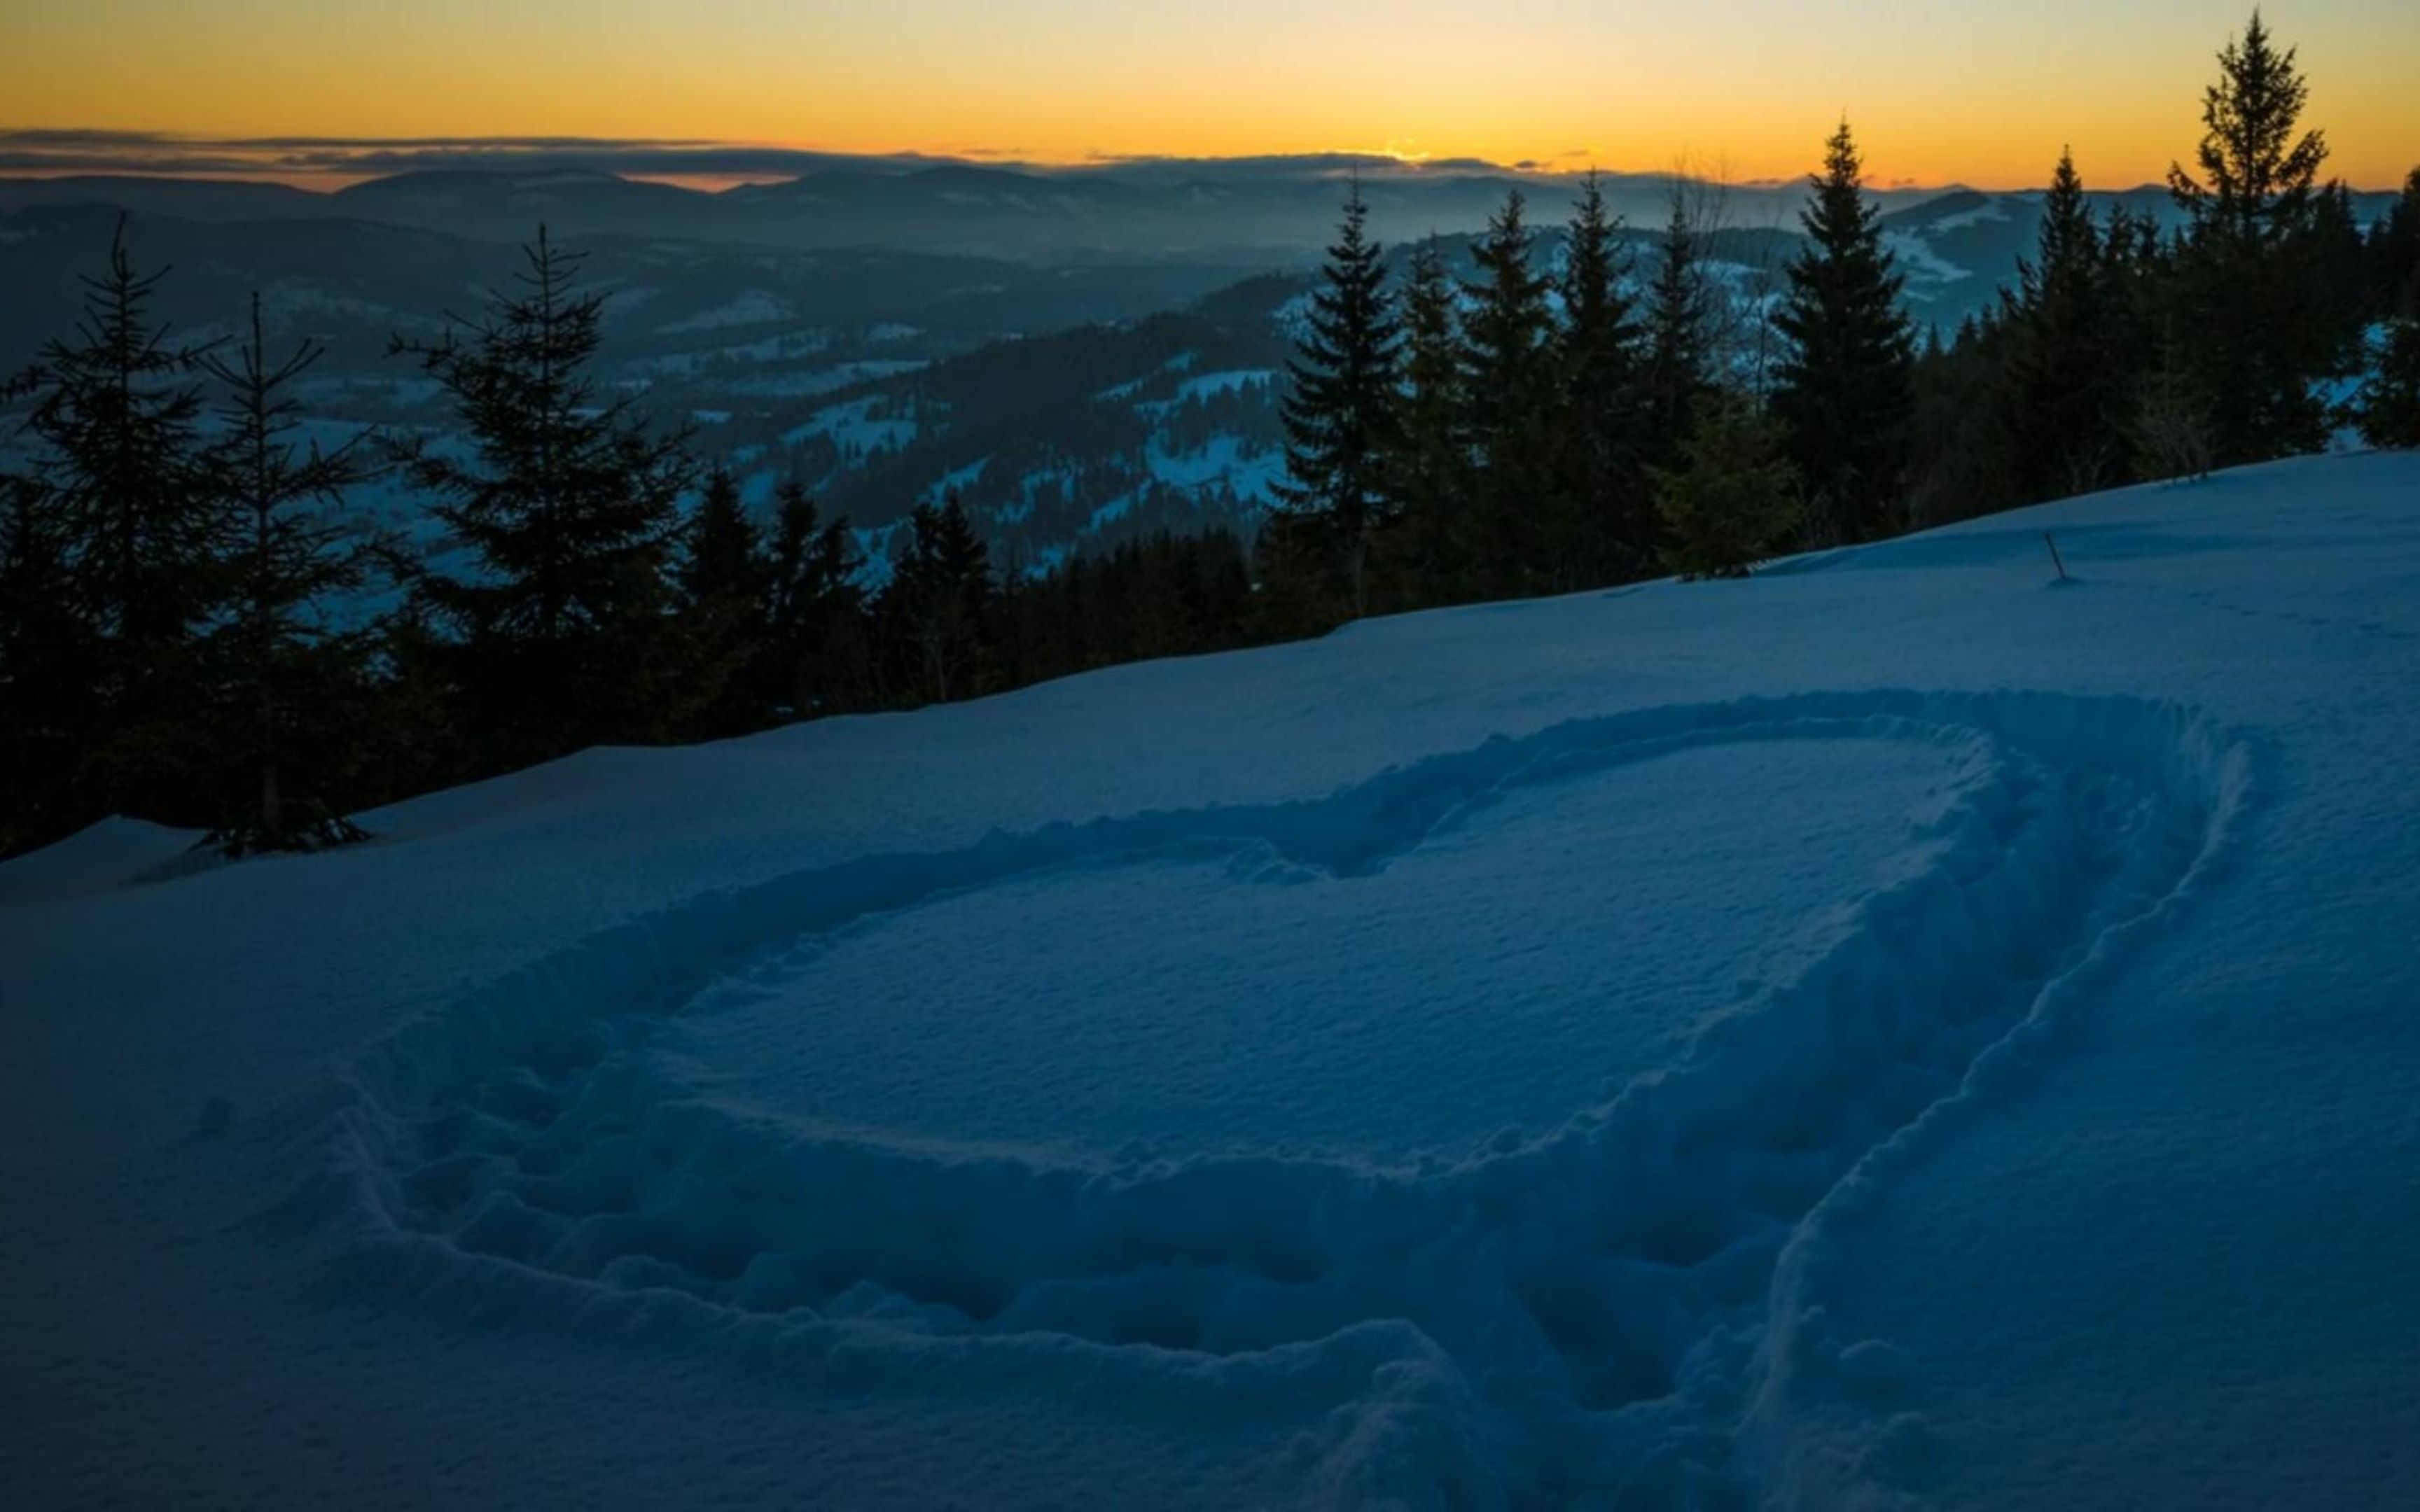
[[1179, 1181]]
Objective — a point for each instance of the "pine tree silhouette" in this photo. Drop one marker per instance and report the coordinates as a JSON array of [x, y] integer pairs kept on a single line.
[[122, 499], [1428, 476], [47, 653], [1340, 412], [937, 601], [1677, 345], [817, 645], [288, 676], [2394, 247], [724, 583], [1607, 511], [1509, 388], [1733, 500], [2390, 399], [1844, 397], [2066, 383], [2251, 319], [569, 506]]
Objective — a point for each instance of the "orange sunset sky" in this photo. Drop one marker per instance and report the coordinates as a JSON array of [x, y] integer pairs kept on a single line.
[[1940, 92]]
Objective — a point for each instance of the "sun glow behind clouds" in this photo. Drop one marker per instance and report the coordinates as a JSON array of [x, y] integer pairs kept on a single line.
[[1939, 92]]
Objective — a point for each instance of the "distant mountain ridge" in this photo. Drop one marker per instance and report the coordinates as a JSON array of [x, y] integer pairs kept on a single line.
[[1106, 368], [1958, 244], [1247, 208]]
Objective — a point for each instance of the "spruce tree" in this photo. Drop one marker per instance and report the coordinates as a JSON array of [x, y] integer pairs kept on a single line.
[[46, 656], [1844, 397], [1732, 500], [2389, 408], [288, 678], [2334, 260], [1509, 388], [2394, 247], [1677, 339], [1340, 412], [2067, 391], [1962, 460], [724, 583], [2251, 317], [1610, 524], [938, 604], [817, 647], [569, 506], [1428, 473], [121, 491]]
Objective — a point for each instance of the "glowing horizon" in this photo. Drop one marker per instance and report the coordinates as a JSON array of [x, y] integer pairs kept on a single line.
[[1745, 87]]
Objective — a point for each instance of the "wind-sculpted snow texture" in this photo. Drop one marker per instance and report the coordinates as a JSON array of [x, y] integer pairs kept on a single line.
[[1594, 1306]]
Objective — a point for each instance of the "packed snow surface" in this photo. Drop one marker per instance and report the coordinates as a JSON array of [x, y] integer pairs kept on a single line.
[[1900, 1030]]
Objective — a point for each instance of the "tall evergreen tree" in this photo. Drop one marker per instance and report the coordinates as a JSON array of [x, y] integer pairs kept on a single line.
[[817, 650], [1843, 397], [937, 604], [724, 583], [46, 655], [2066, 388], [122, 489], [2389, 410], [2394, 246], [2336, 264], [1428, 474], [1677, 339], [570, 507], [1508, 384], [2251, 317], [1610, 524], [1340, 412], [290, 677]]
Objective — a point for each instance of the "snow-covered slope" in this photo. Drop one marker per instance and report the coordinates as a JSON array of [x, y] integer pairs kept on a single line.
[[1900, 1030]]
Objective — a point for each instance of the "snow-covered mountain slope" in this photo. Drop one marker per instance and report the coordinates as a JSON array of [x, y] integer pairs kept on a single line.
[[1902, 1030]]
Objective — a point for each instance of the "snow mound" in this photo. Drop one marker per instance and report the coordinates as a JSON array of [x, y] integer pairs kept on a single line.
[[116, 851], [1602, 1300]]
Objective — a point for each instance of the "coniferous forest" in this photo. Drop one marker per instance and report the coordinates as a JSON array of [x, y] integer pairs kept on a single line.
[[191, 632]]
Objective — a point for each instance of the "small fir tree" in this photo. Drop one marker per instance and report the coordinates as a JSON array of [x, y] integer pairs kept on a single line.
[[1732, 500]]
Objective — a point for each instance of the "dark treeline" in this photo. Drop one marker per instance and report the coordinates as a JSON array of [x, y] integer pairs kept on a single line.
[[188, 637], [1517, 434], [187, 626]]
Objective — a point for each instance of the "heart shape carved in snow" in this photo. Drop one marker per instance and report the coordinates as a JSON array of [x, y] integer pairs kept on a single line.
[[664, 1114]]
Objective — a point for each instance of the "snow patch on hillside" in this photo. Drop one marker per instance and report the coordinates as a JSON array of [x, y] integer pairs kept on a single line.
[[750, 307]]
